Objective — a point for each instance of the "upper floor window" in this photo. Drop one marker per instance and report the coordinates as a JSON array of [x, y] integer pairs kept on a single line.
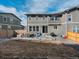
[[5, 19], [8, 18], [29, 18], [1, 17], [69, 17], [54, 18], [11, 20]]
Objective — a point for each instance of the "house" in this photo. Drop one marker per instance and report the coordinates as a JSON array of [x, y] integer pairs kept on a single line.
[[58, 23], [8, 23]]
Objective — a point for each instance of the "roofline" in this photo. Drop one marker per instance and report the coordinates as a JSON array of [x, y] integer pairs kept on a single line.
[[13, 15], [47, 14], [60, 13], [69, 9]]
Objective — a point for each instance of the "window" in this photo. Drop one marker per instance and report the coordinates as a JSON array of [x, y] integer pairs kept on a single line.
[[52, 18], [69, 17], [55, 27], [11, 20], [56, 18], [37, 28], [76, 28], [33, 28], [0, 26], [5, 19], [30, 28], [29, 18], [4, 27], [8, 18], [1, 17]]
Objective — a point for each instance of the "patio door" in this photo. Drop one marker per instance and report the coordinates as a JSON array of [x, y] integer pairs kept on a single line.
[[44, 29]]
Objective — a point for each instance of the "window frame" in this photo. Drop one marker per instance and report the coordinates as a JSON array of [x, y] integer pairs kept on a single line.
[[30, 28], [69, 16], [55, 27]]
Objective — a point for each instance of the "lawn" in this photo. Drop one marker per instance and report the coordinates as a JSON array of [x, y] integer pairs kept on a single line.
[[19, 49]]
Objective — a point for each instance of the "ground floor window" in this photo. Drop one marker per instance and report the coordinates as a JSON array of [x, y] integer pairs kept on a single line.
[[33, 28], [37, 28], [4, 27], [55, 27], [30, 28], [76, 28]]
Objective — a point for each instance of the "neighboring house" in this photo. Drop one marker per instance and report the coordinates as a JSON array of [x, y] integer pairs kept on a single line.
[[8, 23], [59, 23]]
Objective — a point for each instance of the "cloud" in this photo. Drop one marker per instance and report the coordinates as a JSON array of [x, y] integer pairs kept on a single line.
[[7, 9], [40, 6], [13, 10], [68, 4]]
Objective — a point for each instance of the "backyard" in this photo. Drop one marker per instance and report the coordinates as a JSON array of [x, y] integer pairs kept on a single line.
[[21, 49]]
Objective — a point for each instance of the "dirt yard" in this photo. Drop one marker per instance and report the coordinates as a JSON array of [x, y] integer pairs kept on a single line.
[[19, 49]]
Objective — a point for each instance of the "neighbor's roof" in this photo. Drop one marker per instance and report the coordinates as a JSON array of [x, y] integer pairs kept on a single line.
[[71, 9], [12, 14]]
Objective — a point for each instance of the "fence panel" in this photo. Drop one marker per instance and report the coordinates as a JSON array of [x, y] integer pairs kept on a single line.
[[73, 36], [6, 33]]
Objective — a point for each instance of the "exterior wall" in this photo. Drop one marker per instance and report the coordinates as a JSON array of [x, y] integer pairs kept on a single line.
[[38, 21], [68, 26], [44, 21], [9, 18], [75, 16], [11, 21], [56, 31], [6, 33]]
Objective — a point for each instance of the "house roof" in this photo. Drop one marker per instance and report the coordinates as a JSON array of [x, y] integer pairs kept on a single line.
[[71, 9], [55, 14], [12, 14]]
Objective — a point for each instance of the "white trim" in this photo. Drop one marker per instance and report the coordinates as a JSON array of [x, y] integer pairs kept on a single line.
[[75, 27]]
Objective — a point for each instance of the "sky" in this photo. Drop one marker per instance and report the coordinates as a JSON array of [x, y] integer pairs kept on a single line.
[[21, 7]]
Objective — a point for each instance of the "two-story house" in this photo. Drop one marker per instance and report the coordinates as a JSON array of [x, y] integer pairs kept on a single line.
[[70, 20], [44, 23], [59, 23], [9, 21]]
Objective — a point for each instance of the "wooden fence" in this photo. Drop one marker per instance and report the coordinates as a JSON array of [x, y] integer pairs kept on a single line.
[[73, 36], [6, 33]]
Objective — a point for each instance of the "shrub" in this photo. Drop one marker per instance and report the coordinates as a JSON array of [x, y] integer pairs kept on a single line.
[[32, 35], [53, 34]]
